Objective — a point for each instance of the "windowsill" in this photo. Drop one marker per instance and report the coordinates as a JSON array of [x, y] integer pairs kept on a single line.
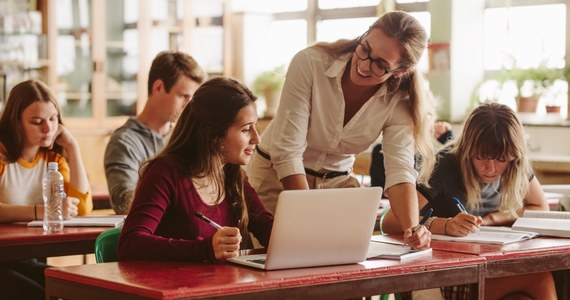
[[534, 119]]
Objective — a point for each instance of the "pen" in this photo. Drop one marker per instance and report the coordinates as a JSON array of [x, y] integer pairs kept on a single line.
[[423, 220], [461, 207], [207, 220]]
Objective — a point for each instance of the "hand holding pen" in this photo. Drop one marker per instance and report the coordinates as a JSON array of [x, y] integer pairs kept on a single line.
[[423, 220], [226, 240], [463, 223], [418, 235]]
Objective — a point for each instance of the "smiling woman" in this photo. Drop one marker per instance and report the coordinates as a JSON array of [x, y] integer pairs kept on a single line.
[[332, 94]]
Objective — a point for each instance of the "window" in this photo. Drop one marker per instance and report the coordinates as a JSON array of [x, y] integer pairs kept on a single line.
[[526, 40], [525, 36]]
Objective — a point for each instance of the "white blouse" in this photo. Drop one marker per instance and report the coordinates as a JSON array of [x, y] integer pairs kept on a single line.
[[308, 131]]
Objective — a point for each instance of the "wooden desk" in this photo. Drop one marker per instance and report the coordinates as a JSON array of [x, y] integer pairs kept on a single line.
[[177, 280], [535, 255], [18, 241]]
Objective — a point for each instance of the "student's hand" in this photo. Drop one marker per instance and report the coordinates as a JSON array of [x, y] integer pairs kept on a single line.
[[226, 243], [419, 239], [463, 224], [69, 208], [440, 127], [64, 138]]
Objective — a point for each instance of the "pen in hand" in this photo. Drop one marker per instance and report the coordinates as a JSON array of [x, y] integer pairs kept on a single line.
[[459, 205], [423, 220], [462, 209], [207, 220]]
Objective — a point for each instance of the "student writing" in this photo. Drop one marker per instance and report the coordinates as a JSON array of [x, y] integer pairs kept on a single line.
[[484, 178]]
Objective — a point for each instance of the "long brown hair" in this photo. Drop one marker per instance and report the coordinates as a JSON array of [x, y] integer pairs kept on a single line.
[[195, 146], [21, 96], [493, 131], [413, 41]]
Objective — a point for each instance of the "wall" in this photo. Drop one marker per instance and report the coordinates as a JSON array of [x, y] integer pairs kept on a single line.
[[93, 143], [460, 25]]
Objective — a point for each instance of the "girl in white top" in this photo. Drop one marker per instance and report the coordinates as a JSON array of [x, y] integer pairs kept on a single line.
[[31, 135], [337, 100]]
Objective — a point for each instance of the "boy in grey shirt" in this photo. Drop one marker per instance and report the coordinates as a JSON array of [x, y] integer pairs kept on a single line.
[[173, 79]]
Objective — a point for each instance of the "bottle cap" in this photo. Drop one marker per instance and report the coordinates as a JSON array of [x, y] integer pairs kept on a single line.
[[52, 166]]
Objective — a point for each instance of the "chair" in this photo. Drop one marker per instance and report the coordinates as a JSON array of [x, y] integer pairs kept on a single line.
[[106, 245]]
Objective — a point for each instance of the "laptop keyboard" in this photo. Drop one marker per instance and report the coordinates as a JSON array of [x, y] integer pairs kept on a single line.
[[257, 261]]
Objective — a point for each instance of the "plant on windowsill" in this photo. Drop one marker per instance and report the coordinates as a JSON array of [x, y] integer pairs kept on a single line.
[[532, 84], [269, 85]]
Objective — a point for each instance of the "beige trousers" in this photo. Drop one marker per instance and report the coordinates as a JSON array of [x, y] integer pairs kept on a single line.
[[263, 178]]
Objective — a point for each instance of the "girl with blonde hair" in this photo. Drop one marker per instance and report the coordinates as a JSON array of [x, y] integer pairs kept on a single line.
[[487, 171]]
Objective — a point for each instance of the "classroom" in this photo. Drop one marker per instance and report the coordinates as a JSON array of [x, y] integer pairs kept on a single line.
[[177, 125]]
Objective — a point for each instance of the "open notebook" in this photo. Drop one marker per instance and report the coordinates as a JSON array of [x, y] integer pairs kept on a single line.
[[319, 228], [551, 223], [387, 247], [89, 221], [489, 235]]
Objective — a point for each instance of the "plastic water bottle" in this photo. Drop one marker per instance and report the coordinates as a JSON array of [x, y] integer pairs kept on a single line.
[[53, 195]]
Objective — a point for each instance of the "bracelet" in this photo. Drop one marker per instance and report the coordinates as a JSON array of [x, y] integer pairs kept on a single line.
[[429, 222], [36, 211], [445, 225]]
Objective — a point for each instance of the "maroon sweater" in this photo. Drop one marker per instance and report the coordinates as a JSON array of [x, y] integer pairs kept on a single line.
[[161, 224]]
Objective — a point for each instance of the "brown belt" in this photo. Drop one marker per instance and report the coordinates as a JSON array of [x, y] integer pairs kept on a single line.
[[323, 175]]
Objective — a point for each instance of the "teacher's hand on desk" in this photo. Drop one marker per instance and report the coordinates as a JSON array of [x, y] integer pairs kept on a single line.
[[226, 243]]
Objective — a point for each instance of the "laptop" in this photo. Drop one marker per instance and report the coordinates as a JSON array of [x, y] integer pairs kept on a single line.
[[319, 228]]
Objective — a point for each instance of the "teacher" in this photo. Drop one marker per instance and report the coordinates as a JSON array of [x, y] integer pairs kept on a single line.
[[337, 100]]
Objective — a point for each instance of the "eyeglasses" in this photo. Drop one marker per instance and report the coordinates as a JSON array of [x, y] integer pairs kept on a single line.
[[363, 53]]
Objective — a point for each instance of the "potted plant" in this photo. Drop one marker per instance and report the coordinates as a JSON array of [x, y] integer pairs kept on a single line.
[[532, 83], [269, 85]]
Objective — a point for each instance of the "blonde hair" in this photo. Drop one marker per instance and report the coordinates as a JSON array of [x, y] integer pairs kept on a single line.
[[493, 131], [412, 39]]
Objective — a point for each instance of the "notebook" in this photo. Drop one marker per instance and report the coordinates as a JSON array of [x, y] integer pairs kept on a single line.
[[550, 223], [387, 247], [489, 235], [319, 228]]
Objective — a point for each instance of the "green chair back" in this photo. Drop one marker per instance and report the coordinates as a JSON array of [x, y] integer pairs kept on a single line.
[[106, 245]]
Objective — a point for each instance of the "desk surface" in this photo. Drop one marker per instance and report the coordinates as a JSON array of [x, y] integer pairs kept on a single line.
[[18, 241], [175, 280], [530, 256], [494, 251]]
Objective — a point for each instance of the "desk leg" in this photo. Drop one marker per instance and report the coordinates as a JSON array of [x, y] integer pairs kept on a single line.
[[562, 281], [478, 288]]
